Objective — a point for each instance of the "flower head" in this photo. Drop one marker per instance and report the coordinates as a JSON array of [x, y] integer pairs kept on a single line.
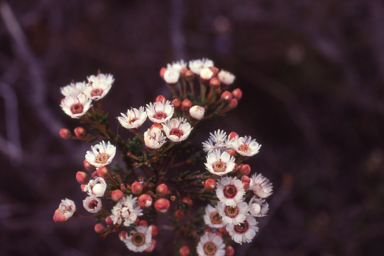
[[230, 191], [73, 89], [171, 76], [160, 112], [217, 140], [133, 119], [98, 86], [101, 154], [243, 232], [197, 112], [154, 138], [92, 204], [198, 65], [212, 217], [140, 240], [226, 77], [261, 186], [177, 129], [211, 245], [258, 207], [245, 146], [65, 211], [220, 163], [177, 65], [126, 211], [233, 214], [96, 187], [76, 106]]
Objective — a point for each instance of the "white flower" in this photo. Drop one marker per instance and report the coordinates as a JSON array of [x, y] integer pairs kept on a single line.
[[73, 89], [160, 112], [217, 140], [206, 74], [96, 187], [208, 146], [126, 211], [133, 119], [258, 207], [212, 217], [98, 86], [101, 154], [233, 214], [261, 186], [211, 245], [65, 211], [171, 76], [243, 232], [154, 138], [76, 106], [220, 163], [92, 204], [177, 129], [245, 146], [226, 77], [230, 191], [139, 241], [197, 112], [197, 65], [178, 65]]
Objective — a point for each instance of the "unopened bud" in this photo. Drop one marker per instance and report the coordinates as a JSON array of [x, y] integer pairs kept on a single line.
[[65, 134], [94, 174], [152, 246], [229, 251], [123, 235], [189, 75], [233, 136], [207, 231], [80, 132], [117, 195], [143, 223], [245, 169], [226, 96], [102, 171], [186, 105], [155, 230], [237, 94], [156, 126], [232, 152], [122, 187], [183, 70], [179, 214], [137, 188], [108, 220], [162, 205], [184, 250], [162, 71], [88, 166], [176, 103], [162, 190], [209, 184], [82, 177], [187, 201], [99, 228], [234, 169], [214, 83], [145, 201], [245, 180], [215, 70], [82, 187], [232, 104], [160, 98], [173, 198]]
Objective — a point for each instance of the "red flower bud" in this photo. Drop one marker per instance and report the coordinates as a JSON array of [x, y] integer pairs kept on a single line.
[[65, 134], [184, 251], [237, 94], [102, 171], [155, 230], [80, 132], [189, 75], [108, 220], [229, 251], [117, 195], [245, 180], [186, 105], [187, 201], [245, 169], [162, 190], [88, 166], [232, 104], [218, 234], [176, 103], [82, 177], [123, 235], [232, 152], [233, 136], [143, 223], [162, 71], [162, 205], [160, 98], [156, 125], [209, 184], [137, 188], [214, 83], [179, 214], [226, 96], [145, 201], [99, 228]]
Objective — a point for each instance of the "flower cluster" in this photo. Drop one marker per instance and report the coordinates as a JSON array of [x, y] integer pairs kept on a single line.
[[156, 176]]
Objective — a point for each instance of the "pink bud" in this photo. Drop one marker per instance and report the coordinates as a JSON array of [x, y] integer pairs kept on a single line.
[[234, 169], [232, 152], [184, 251], [143, 223], [145, 201], [65, 134], [94, 174], [209, 184], [176, 103], [214, 83], [82, 177], [226, 96], [189, 75], [108, 220], [186, 105], [188, 201], [117, 195], [137, 188], [160, 98], [82, 187], [237, 93], [99, 228], [152, 246], [245, 169], [162, 205], [123, 235], [80, 132], [233, 136], [223, 230], [245, 180], [102, 171], [232, 104], [155, 230], [88, 166], [179, 214], [58, 216], [229, 251], [162, 71], [162, 190], [156, 126], [215, 70]]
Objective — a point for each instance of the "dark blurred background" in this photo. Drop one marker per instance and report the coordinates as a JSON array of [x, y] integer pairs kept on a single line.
[[312, 76]]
